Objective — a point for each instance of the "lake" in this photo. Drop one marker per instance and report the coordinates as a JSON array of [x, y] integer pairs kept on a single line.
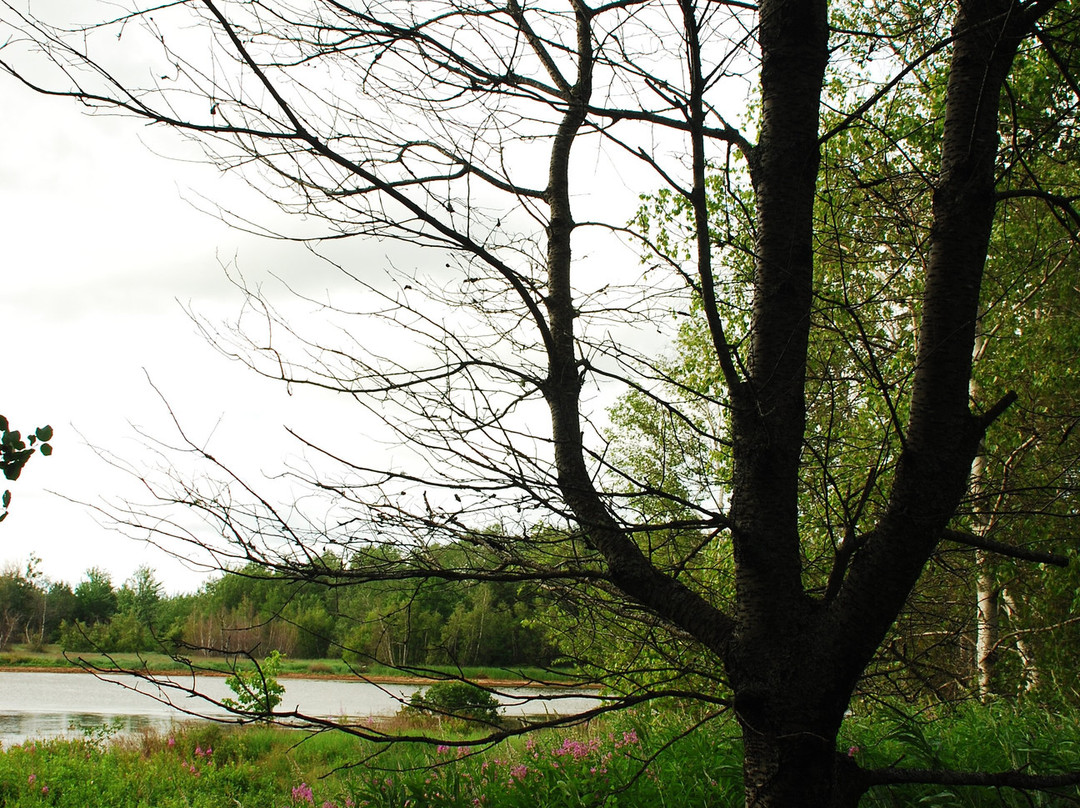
[[47, 705]]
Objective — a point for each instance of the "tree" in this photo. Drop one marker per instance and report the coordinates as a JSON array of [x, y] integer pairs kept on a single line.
[[17, 601], [95, 598], [480, 131], [141, 596], [865, 295]]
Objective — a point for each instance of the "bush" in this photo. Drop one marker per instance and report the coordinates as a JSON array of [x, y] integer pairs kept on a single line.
[[257, 691], [456, 700]]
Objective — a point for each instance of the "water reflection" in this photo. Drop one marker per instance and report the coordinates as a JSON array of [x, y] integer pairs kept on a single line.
[[18, 728], [49, 705]]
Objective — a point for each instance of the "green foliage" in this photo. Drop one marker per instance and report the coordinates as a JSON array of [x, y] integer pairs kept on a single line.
[[95, 598], [257, 691], [967, 737], [644, 758], [456, 700], [141, 596], [872, 235], [489, 625], [174, 772], [15, 453], [400, 624]]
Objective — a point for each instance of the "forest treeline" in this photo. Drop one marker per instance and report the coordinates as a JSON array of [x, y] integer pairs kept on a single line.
[[505, 623], [249, 611]]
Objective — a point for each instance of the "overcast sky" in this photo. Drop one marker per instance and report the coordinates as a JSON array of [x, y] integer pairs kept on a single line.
[[103, 247]]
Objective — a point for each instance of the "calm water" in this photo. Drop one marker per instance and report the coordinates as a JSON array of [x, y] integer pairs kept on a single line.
[[47, 705]]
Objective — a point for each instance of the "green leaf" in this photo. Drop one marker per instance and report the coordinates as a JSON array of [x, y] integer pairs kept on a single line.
[[7, 498], [44, 433], [45, 449]]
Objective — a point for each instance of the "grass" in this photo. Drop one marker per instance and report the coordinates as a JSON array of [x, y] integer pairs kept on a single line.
[[628, 761], [53, 658], [969, 737], [209, 766]]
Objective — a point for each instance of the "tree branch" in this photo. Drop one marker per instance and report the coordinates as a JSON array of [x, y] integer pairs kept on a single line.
[[1000, 548]]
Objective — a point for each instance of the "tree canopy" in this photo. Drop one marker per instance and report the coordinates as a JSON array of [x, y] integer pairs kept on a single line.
[[863, 196]]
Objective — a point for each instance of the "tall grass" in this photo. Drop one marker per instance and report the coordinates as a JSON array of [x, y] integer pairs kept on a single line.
[[637, 759], [969, 737]]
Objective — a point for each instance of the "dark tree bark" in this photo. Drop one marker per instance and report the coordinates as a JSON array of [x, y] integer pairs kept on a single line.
[[479, 81]]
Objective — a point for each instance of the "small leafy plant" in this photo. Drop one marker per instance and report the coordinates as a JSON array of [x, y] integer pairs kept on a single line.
[[98, 736], [257, 691]]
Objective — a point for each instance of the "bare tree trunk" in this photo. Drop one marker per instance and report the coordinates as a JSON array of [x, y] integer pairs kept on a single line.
[[1029, 671], [987, 626], [987, 617]]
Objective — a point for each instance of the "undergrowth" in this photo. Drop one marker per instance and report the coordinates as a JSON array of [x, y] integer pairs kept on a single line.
[[635, 759]]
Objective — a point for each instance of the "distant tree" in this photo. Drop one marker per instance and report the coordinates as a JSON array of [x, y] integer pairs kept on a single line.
[[60, 608], [141, 596], [95, 598], [17, 605]]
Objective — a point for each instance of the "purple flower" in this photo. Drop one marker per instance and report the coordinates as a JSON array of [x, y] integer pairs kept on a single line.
[[576, 749], [302, 793]]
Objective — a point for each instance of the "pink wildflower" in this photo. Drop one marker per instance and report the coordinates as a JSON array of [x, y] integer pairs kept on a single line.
[[519, 771], [31, 779], [852, 751], [302, 793], [442, 749], [172, 742], [576, 749], [44, 789]]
